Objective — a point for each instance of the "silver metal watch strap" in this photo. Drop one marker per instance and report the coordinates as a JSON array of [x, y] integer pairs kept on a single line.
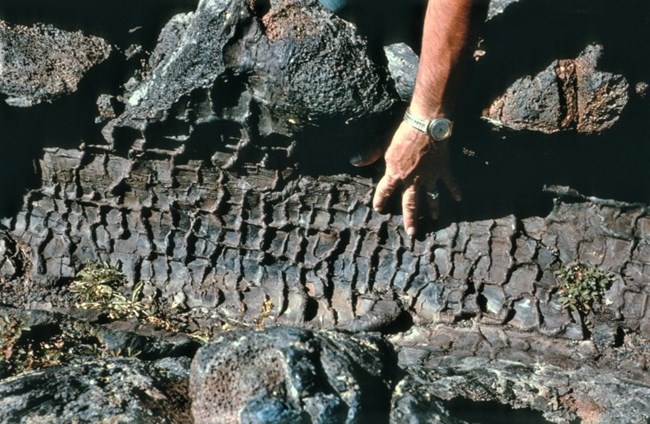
[[419, 124]]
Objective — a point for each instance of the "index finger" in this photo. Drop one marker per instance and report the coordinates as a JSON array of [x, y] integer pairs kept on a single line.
[[409, 208], [385, 188]]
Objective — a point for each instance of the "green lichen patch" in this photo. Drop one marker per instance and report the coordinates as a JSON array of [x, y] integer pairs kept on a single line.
[[581, 286]]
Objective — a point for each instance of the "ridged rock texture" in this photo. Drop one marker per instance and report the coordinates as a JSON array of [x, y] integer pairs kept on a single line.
[[218, 184]]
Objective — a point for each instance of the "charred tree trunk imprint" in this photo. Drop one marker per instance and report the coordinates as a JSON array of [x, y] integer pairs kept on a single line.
[[222, 182], [206, 237]]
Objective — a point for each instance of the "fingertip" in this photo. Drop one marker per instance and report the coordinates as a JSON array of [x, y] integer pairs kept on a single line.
[[377, 204], [457, 197], [410, 231]]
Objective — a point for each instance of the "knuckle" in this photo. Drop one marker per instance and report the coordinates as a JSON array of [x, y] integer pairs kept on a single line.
[[409, 204], [391, 180], [382, 195], [409, 207]]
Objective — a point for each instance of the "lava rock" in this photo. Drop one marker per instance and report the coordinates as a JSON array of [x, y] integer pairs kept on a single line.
[[497, 7], [75, 337], [287, 375], [294, 61], [461, 390], [41, 63], [99, 390], [570, 94], [414, 404], [403, 67]]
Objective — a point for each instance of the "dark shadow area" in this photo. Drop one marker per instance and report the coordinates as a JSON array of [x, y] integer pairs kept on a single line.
[[503, 172], [384, 22], [327, 147], [491, 413], [122, 22], [403, 323], [375, 399], [66, 123]]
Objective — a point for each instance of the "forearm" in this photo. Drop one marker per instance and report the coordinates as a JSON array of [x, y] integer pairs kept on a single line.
[[445, 35]]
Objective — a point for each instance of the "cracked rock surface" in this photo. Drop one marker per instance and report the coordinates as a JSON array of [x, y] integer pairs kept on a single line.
[[312, 246]]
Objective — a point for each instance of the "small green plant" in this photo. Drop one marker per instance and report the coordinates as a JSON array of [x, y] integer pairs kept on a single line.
[[11, 331], [98, 286], [581, 286], [102, 287]]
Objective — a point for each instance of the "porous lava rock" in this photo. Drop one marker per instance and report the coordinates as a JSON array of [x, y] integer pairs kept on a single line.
[[290, 375], [570, 94], [287, 64], [40, 63]]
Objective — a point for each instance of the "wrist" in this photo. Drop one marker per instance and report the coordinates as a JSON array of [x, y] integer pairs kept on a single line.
[[427, 111], [437, 129]]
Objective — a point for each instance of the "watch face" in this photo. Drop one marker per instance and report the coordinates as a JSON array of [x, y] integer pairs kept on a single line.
[[440, 129]]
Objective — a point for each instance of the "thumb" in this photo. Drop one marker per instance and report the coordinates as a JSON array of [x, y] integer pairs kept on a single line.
[[370, 154], [367, 157]]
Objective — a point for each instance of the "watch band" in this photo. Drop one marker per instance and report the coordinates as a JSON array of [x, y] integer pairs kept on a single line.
[[419, 124]]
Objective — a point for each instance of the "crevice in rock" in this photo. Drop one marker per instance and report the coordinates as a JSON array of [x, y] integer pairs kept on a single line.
[[568, 93]]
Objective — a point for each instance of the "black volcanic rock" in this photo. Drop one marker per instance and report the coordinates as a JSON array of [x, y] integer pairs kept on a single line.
[[288, 65], [570, 94]]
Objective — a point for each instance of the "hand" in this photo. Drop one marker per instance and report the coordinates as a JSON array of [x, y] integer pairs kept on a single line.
[[413, 162]]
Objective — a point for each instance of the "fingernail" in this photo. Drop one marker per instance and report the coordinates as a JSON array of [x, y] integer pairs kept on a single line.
[[410, 231], [356, 159]]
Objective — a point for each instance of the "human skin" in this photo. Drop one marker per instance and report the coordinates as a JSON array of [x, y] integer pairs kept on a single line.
[[413, 161]]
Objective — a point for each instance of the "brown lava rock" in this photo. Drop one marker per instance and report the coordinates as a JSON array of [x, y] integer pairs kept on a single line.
[[40, 62]]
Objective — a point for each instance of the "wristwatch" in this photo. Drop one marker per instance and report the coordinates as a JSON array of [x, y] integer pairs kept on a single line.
[[438, 129]]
